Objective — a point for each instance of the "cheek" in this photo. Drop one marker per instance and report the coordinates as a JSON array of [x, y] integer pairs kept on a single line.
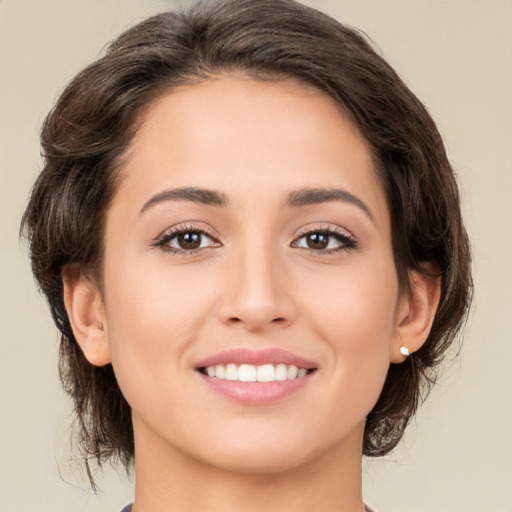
[[153, 317], [355, 316], [352, 302]]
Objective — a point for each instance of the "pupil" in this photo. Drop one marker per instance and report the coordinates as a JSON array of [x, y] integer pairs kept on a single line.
[[190, 240], [318, 241]]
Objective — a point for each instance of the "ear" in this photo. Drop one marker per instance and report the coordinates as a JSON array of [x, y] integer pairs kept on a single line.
[[86, 313], [416, 313]]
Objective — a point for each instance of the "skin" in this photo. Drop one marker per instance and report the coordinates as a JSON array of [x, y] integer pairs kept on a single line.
[[254, 283]]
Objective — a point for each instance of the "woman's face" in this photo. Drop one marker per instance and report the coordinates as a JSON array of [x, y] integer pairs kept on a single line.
[[249, 239]]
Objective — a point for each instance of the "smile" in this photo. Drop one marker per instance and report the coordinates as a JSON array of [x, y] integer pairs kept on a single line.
[[256, 377], [251, 373]]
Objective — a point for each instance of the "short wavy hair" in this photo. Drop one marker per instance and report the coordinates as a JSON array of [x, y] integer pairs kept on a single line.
[[86, 134]]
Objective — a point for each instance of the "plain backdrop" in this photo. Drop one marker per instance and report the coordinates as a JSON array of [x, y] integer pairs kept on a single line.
[[456, 56]]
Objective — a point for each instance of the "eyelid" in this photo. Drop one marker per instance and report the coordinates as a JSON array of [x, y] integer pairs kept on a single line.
[[328, 228], [163, 238], [347, 239]]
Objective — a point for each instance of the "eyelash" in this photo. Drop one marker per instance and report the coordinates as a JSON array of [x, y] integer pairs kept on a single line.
[[347, 241], [166, 237]]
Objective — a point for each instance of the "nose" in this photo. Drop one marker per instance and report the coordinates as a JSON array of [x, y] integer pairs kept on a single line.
[[257, 296]]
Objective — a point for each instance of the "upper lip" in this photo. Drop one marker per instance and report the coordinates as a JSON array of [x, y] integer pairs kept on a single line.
[[256, 357]]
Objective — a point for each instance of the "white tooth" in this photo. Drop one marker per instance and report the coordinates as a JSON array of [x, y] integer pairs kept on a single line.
[[266, 373], [302, 372], [231, 372], [220, 371], [247, 373], [292, 371], [210, 371], [281, 372]]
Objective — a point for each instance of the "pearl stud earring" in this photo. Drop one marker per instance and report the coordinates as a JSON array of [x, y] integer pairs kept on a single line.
[[405, 351]]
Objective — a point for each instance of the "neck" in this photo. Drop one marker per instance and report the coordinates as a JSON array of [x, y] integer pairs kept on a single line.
[[168, 480]]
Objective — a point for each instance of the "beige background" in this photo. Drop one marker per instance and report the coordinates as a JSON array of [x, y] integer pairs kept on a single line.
[[457, 57]]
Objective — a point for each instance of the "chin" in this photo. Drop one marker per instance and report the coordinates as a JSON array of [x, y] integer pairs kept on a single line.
[[259, 460], [267, 451]]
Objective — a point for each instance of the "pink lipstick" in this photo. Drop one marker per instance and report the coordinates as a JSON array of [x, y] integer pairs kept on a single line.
[[256, 376]]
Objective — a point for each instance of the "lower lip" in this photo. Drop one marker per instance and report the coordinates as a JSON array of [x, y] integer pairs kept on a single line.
[[256, 393]]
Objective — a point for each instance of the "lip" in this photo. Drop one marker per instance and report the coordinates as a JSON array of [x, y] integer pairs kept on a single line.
[[256, 393], [256, 357]]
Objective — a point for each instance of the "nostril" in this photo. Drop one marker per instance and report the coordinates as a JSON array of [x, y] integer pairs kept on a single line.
[[254, 322]]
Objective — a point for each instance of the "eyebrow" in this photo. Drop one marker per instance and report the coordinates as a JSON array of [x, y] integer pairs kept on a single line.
[[296, 199], [193, 194], [308, 196]]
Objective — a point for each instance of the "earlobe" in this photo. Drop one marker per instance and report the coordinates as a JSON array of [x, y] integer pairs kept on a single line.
[[416, 314], [86, 313]]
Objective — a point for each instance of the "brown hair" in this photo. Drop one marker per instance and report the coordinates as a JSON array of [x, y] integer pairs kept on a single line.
[[87, 132]]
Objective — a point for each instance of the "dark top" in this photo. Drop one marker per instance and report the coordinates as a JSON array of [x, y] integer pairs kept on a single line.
[[128, 508]]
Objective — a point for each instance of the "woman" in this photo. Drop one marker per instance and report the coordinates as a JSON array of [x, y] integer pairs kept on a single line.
[[250, 238]]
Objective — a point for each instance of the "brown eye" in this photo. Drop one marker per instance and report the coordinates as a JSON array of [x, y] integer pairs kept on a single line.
[[326, 241], [186, 241], [190, 240], [317, 240]]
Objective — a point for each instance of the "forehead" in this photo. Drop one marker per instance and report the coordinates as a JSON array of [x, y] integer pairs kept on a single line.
[[243, 136]]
